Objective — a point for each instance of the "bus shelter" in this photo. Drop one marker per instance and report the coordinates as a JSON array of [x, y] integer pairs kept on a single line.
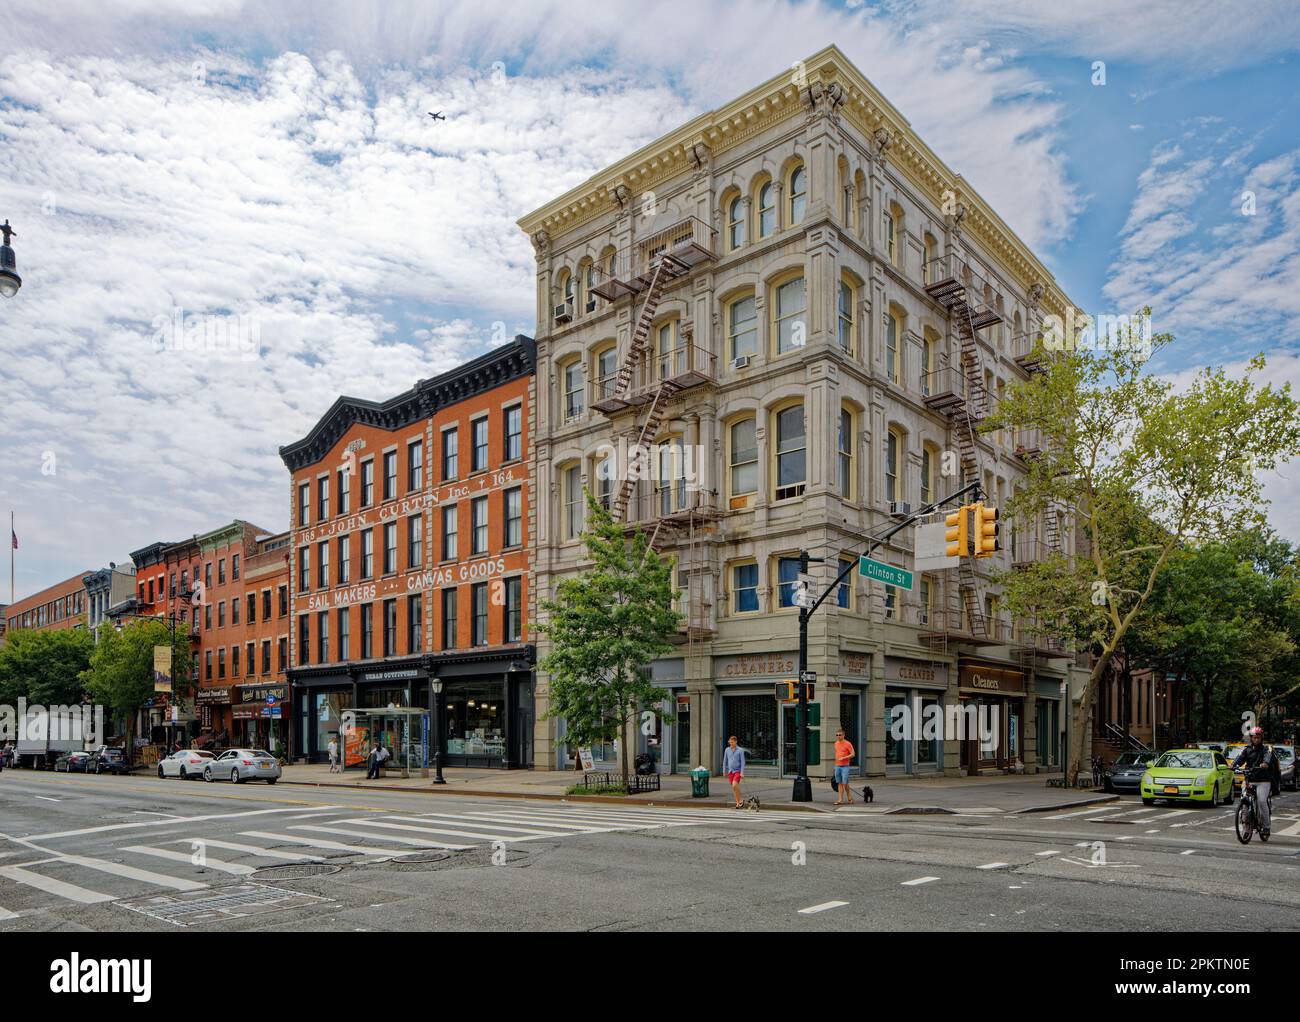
[[402, 730]]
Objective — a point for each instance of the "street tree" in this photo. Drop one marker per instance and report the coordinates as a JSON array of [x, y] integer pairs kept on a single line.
[[606, 625], [44, 667], [1126, 452], [121, 674]]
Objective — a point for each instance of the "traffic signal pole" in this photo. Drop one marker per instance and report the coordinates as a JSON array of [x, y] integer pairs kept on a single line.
[[802, 784]]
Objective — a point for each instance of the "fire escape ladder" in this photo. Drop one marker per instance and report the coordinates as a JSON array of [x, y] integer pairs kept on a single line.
[[666, 268], [637, 467]]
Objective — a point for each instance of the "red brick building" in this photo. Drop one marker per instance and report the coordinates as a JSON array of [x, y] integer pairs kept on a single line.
[[255, 721], [409, 562], [62, 605]]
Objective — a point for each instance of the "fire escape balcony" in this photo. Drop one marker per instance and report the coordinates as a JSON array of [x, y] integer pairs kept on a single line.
[[948, 626], [686, 242], [1030, 352], [1028, 443], [943, 388], [687, 365], [953, 284]]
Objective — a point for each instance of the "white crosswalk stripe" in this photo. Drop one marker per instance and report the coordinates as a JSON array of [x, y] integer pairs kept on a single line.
[[254, 850], [362, 828], [334, 846], [50, 885], [416, 841], [188, 858]]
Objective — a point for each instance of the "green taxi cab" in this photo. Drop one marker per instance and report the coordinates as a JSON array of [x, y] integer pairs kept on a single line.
[[1188, 775]]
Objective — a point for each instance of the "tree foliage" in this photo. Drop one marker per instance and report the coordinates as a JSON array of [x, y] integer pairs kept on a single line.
[[44, 667], [1139, 469], [121, 668], [606, 625]]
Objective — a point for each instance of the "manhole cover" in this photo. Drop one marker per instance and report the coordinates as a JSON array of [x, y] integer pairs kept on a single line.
[[214, 905], [299, 871]]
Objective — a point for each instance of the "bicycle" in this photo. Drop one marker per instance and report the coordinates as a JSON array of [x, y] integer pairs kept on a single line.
[[1247, 821]]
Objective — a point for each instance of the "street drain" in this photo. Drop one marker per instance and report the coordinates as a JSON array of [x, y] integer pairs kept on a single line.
[[419, 857], [299, 871]]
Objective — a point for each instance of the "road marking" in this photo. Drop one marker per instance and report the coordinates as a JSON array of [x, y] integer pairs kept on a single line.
[[814, 909], [48, 799], [479, 835], [217, 864], [551, 821], [6, 914], [162, 823], [1156, 831], [992, 865], [291, 839], [419, 842], [149, 812], [918, 881], [1171, 814], [51, 886], [1093, 811], [1050, 851], [264, 853], [1291, 831], [1190, 851], [131, 873]]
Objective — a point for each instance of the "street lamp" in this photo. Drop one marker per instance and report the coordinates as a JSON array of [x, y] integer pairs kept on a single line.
[[10, 282], [435, 687]]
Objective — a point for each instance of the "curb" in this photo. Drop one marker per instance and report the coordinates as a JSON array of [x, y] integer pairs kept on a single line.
[[1100, 800], [545, 796]]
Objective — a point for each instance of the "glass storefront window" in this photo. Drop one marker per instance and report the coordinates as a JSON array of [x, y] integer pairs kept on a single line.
[[752, 719], [475, 719], [927, 749], [895, 750]]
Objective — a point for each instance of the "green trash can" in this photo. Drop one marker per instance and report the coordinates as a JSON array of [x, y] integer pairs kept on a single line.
[[699, 783]]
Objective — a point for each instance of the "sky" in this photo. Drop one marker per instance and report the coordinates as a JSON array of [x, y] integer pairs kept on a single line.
[[268, 171]]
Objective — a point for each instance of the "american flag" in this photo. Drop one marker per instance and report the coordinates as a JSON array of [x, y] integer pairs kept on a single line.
[[14, 536]]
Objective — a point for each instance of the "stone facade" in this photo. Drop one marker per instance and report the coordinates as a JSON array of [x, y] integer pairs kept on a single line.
[[807, 355]]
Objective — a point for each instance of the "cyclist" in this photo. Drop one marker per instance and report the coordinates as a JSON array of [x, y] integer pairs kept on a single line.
[[1263, 771]]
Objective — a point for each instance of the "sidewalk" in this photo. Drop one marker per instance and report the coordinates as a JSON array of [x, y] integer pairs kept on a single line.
[[1002, 794]]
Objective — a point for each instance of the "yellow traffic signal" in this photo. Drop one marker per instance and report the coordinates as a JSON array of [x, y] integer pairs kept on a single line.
[[957, 536], [986, 531]]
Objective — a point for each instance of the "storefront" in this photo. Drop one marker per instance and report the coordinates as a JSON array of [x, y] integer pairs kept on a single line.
[[992, 695], [1049, 720], [850, 689], [213, 705], [764, 728], [486, 714], [258, 717], [914, 720]]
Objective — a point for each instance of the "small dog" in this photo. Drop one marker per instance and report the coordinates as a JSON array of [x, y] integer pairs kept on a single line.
[[868, 794]]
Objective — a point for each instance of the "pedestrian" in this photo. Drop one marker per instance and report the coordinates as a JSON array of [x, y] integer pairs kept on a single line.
[[733, 766], [334, 755], [843, 758], [372, 770]]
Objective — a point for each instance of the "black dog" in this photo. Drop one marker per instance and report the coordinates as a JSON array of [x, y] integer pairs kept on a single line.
[[868, 794]]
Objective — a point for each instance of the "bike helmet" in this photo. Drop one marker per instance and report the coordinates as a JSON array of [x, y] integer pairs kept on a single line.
[[1257, 731]]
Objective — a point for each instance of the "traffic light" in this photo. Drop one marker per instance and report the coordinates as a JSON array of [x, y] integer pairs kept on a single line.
[[986, 531], [957, 536]]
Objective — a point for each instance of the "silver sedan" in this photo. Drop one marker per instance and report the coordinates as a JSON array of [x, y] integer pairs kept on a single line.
[[184, 764], [243, 765]]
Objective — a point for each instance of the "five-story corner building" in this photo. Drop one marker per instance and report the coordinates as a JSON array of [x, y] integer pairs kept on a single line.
[[408, 564], [777, 329]]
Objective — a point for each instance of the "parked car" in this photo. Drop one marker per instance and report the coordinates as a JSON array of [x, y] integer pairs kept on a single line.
[[73, 762], [1193, 775], [184, 764], [1212, 746], [109, 761], [1125, 774], [1231, 752], [1287, 764], [243, 765]]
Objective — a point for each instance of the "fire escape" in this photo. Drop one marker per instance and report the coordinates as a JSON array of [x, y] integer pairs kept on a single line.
[[959, 391], [649, 377]]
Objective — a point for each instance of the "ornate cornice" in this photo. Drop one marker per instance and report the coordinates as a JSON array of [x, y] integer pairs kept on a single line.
[[498, 366], [786, 96]]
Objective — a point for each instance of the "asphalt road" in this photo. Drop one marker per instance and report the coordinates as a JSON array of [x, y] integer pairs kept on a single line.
[[139, 853]]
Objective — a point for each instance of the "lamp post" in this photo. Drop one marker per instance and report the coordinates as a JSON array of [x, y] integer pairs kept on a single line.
[[10, 282], [435, 686]]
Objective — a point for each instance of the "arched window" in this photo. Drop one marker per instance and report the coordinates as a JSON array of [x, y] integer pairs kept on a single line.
[[605, 363], [742, 457], [571, 384], [789, 314], [892, 226], [790, 452], [928, 254], [670, 358], [588, 288], [798, 195], [893, 345], [766, 210], [893, 465], [929, 361], [602, 470], [670, 480], [571, 497], [845, 314], [735, 223], [844, 452], [929, 470], [742, 327]]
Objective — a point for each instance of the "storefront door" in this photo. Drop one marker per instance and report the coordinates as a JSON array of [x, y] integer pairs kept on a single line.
[[682, 733], [790, 737]]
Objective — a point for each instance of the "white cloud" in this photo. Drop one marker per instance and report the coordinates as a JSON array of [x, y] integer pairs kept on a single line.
[[287, 171]]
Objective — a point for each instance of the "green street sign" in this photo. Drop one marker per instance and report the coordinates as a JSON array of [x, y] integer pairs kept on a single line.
[[886, 573]]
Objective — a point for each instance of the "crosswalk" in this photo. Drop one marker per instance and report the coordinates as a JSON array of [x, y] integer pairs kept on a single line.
[[175, 862]]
